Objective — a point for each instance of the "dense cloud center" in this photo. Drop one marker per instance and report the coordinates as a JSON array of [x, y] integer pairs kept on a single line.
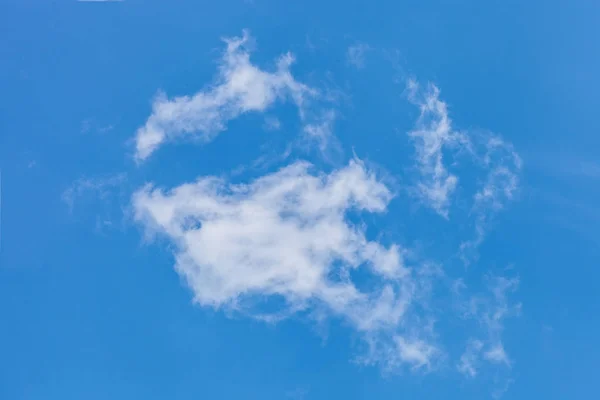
[[284, 234]]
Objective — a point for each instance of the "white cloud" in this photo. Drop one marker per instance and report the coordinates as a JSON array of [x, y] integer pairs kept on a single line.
[[417, 352], [321, 129], [499, 187], [432, 135], [469, 360], [502, 182], [499, 307], [286, 236], [497, 355], [489, 311], [240, 87], [356, 54], [501, 388]]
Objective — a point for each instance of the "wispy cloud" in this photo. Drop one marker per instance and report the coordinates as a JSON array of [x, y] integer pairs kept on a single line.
[[356, 54], [497, 355], [435, 139], [240, 87], [97, 187], [272, 124], [489, 310], [501, 388], [433, 134], [89, 125], [103, 198], [416, 352], [469, 360], [499, 187], [320, 130]]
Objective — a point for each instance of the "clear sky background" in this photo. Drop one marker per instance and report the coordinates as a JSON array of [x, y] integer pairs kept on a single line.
[[299, 199]]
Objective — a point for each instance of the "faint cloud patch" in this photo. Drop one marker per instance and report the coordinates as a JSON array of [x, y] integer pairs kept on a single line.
[[589, 169], [469, 360], [272, 124], [499, 187], [297, 394], [501, 387], [91, 126], [98, 197], [98, 187], [314, 44], [356, 54], [321, 130], [489, 311]]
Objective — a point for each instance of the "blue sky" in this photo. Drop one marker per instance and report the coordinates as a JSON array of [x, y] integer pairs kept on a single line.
[[299, 200]]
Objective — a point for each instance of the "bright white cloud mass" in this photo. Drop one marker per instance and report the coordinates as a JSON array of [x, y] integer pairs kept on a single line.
[[287, 243], [279, 235], [288, 235]]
